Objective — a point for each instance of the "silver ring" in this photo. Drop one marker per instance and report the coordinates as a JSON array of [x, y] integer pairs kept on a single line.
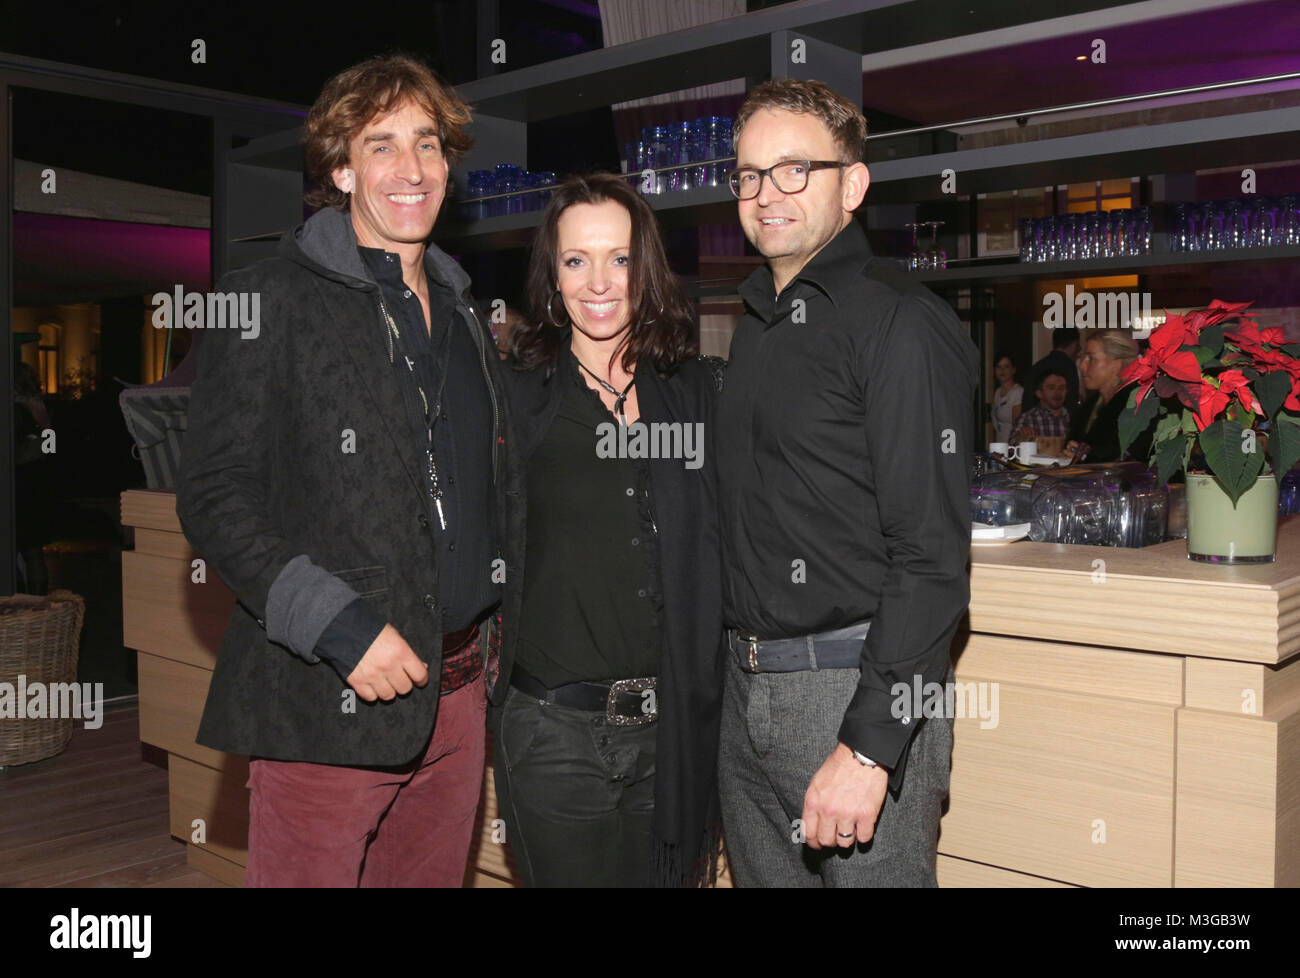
[[845, 835]]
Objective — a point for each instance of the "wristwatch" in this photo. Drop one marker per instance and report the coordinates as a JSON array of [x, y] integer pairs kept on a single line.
[[864, 760]]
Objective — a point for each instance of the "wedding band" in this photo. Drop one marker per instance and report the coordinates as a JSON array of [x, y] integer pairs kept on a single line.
[[845, 835]]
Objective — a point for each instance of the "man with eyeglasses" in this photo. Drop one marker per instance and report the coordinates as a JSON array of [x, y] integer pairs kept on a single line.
[[842, 441]]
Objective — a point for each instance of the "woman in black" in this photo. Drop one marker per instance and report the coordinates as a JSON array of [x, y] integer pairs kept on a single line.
[[607, 726], [1096, 423]]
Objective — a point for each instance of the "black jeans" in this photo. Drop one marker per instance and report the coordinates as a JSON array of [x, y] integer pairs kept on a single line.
[[576, 793]]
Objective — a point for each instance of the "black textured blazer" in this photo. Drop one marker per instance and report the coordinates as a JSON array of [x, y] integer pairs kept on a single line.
[[300, 488]]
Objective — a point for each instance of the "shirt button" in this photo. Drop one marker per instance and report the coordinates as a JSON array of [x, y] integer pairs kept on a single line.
[[388, 257], [430, 602], [406, 294], [423, 520], [451, 546], [635, 541], [641, 593], [631, 492]]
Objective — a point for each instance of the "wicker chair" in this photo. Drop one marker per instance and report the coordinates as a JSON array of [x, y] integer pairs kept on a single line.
[[39, 639]]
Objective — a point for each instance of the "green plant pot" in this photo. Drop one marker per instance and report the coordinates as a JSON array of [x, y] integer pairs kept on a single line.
[[1221, 533]]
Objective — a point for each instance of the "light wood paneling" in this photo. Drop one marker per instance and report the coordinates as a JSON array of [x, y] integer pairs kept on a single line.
[[1242, 688], [163, 543], [163, 612], [1071, 668], [955, 873], [151, 508], [218, 797], [485, 881], [222, 870], [1052, 604], [489, 850], [1227, 797], [172, 695], [1287, 840], [1035, 793], [1053, 591]]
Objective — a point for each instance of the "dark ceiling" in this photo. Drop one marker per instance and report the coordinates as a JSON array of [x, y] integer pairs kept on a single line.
[[1248, 41]]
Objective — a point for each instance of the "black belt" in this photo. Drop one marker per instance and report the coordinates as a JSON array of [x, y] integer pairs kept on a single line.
[[838, 649], [624, 702]]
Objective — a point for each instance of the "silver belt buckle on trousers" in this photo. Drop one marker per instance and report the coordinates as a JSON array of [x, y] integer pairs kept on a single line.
[[631, 686], [752, 652]]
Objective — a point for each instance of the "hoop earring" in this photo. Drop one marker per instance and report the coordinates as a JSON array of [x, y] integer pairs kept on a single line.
[[654, 297], [550, 313]]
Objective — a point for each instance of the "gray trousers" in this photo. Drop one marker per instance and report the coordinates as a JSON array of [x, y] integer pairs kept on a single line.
[[777, 730]]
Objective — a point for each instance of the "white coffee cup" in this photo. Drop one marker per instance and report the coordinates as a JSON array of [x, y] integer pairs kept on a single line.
[[999, 448], [1026, 450]]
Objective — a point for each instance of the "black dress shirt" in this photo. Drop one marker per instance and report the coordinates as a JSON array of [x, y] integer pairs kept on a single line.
[[843, 437], [591, 607], [462, 439]]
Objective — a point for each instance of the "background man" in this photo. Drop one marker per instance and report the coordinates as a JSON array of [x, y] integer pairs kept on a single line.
[[1050, 419], [1065, 351], [341, 474], [843, 438]]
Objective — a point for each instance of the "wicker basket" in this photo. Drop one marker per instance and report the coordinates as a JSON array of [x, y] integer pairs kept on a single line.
[[39, 638]]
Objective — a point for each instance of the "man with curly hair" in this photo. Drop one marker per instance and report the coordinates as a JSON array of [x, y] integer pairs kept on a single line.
[[344, 473]]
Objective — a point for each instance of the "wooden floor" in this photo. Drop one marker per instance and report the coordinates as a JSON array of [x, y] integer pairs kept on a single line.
[[95, 815]]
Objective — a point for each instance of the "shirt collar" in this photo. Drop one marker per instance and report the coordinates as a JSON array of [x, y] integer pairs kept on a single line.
[[386, 266], [830, 271]]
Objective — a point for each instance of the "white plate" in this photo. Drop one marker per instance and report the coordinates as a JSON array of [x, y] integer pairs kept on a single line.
[[982, 535]]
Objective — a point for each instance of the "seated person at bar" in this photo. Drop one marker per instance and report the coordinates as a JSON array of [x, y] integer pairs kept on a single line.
[[1049, 423], [1094, 435]]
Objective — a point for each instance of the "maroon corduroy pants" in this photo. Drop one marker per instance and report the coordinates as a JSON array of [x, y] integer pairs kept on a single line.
[[322, 825]]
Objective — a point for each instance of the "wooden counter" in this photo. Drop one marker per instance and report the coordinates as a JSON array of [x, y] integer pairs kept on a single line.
[[1149, 720], [1147, 734]]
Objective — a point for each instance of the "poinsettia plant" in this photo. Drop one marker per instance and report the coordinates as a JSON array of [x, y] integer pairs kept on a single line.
[[1236, 386]]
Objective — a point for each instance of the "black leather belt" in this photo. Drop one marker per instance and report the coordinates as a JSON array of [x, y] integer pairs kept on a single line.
[[838, 649], [625, 702]]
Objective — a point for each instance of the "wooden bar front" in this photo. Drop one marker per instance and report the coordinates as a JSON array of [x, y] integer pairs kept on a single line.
[[1146, 731]]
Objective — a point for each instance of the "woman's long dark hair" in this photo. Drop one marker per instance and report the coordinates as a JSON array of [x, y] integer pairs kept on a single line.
[[662, 324]]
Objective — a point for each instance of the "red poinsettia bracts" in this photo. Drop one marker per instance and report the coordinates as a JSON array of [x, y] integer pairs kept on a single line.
[[1171, 354], [1231, 378]]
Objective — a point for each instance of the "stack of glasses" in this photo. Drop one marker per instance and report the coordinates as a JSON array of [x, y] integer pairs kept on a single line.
[[1118, 504], [1251, 222], [672, 151], [1096, 234], [507, 190]]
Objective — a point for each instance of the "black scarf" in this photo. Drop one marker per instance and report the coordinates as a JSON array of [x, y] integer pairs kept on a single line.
[[686, 826]]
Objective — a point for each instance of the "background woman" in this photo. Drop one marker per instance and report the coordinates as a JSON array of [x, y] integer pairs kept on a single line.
[[610, 685], [1007, 398], [1097, 424]]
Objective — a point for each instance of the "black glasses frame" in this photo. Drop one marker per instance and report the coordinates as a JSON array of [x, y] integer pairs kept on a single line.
[[809, 166]]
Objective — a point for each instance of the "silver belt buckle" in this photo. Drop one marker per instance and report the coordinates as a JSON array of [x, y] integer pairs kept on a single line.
[[640, 685], [752, 652]]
